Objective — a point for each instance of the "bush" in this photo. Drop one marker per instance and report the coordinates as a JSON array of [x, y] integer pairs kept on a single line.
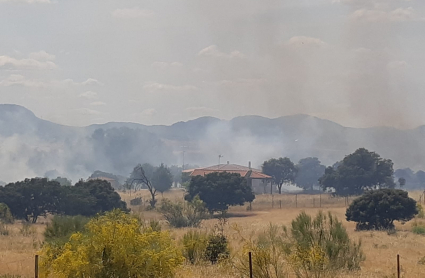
[[136, 201], [113, 245], [378, 209], [62, 227], [320, 247], [194, 246], [268, 254], [418, 228], [178, 215], [5, 214], [216, 248], [420, 210]]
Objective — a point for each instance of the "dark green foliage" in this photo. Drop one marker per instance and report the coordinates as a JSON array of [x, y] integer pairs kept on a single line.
[[359, 171], [62, 227], [216, 248], [31, 198], [218, 191], [378, 209], [162, 180], [282, 170], [91, 197], [310, 170]]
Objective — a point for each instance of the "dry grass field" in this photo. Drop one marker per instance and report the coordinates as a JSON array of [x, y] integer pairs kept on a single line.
[[17, 249]]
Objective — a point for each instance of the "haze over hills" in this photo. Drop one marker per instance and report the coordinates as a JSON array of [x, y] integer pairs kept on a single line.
[[30, 146]]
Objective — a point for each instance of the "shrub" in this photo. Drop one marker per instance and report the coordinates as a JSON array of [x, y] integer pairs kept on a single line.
[[136, 201], [5, 214], [178, 215], [216, 248], [420, 210], [194, 246], [320, 247], [113, 245], [62, 227], [378, 209], [418, 228], [268, 254]]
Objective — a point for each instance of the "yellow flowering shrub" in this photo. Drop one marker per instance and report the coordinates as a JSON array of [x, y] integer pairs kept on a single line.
[[115, 246]]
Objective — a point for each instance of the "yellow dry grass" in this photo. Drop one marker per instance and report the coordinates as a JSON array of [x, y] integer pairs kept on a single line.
[[17, 251]]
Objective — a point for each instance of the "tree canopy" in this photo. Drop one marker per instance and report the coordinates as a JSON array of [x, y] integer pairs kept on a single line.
[[162, 179], [282, 170], [220, 190], [32, 198], [378, 209], [359, 171], [309, 170]]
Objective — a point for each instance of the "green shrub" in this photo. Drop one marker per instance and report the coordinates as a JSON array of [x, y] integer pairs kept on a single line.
[[378, 209], [194, 246], [5, 214], [62, 227], [179, 214], [418, 228], [320, 247], [216, 248]]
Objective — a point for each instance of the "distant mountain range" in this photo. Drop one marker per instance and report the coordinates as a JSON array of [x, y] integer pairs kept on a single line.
[[31, 146]]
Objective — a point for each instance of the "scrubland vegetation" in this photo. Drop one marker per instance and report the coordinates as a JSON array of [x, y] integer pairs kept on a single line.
[[242, 230]]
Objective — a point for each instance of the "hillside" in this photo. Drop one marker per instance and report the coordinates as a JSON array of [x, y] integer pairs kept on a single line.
[[32, 146]]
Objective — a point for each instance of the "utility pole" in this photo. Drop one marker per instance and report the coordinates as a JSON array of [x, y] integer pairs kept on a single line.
[[219, 159], [183, 147]]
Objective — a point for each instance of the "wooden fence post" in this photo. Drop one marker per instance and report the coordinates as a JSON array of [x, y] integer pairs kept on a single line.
[[250, 265], [36, 267], [398, 266]]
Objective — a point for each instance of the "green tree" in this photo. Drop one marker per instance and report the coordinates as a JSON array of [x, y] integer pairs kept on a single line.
[[162, 179], [31, 198], [359, 171], [220, 190], [282, 170], [310, 170], [113, 245], [378, 209]]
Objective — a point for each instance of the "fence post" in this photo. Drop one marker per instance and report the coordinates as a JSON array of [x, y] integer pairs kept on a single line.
[[250, 265], [398, 266], [272, 202], [36, 266], [296, 200]]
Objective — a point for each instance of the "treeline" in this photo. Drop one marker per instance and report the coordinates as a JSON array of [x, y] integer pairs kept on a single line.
[[355, 173], [33, 198]]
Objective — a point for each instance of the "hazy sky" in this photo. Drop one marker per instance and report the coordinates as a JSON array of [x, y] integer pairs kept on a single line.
[[357, 62]]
